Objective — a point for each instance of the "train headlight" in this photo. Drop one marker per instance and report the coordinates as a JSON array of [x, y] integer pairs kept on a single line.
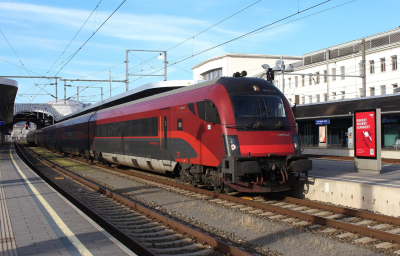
[[296, 144], [232, 145]]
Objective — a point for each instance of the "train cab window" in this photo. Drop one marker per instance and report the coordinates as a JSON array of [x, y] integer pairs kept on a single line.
[[211, 112], [208, 111], [191, 108], [179, 125], [200, 110], [265, 110]]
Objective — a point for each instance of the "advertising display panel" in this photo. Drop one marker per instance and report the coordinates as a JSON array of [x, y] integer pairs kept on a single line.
[[365, 134], [322, 134]]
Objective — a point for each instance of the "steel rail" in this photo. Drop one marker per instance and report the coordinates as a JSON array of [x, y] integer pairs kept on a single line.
[[129, 241], [338, 209], [199, 235], [365, 231]]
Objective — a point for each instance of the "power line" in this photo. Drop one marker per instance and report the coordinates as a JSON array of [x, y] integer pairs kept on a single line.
[[196, 35], [88, 40], [72, 39], [16, 55]]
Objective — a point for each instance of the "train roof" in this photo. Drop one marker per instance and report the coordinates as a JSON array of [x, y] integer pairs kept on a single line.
[[141, 92]]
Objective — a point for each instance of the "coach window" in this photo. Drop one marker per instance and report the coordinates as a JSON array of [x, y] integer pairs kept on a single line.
[[179, 125], [119, 129], [144, 127]]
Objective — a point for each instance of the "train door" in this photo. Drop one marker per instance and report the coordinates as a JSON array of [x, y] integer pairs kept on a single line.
[[166, 138]]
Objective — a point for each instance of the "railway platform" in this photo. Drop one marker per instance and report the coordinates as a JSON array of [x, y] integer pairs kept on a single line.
[[37, 220], [336, 181], [386, 153]]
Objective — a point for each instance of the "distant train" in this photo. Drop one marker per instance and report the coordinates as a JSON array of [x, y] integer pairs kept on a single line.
[[231, 133]]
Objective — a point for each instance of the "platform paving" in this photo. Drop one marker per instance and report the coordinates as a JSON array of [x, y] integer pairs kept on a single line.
[[37, 220]]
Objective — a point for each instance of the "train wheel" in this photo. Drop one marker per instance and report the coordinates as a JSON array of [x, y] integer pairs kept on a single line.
[[219, 189]]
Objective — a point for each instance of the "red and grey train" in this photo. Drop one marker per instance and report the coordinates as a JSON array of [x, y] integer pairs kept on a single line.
[[231, 133]]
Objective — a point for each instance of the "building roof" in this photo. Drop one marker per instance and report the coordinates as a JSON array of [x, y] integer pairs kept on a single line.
[[8, 93], [247, 55], [353, 47], [339, 108]]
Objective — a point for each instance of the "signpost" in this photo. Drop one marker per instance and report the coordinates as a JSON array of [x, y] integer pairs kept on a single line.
[[367, 140], [322, 121]]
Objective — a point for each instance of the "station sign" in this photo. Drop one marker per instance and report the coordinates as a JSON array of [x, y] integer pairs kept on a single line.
[[322, 121], [365, 136], [1, 123]]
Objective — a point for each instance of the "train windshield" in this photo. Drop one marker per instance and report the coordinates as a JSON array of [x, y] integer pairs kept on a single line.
[[260, 111]]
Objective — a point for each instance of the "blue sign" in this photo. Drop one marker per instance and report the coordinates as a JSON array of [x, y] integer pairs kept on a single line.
[[1, 123], [322, 121]]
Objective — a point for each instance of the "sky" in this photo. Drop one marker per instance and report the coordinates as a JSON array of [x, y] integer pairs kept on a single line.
[[87, 39]]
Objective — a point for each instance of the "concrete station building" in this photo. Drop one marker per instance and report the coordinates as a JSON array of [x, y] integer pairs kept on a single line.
[[332, 97]]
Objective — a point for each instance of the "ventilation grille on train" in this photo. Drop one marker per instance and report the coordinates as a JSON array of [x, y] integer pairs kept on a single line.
[[135, 163]]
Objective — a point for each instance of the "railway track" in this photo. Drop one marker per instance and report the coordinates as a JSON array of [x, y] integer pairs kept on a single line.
[[359, 226], [143, 230]]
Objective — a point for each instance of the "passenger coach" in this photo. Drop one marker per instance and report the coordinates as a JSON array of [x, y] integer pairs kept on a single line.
[[228, 133]]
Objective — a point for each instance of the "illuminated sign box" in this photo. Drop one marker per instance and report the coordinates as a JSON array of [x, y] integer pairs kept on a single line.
[[322, 121], [365, 134]]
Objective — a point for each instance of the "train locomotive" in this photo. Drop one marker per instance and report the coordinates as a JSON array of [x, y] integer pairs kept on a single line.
[[231, 133]]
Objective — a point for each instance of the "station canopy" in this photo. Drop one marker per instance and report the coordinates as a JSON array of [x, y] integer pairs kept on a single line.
[[8, 89]]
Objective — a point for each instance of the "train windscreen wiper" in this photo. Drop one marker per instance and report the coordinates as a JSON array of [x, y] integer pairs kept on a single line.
[[254, 115]]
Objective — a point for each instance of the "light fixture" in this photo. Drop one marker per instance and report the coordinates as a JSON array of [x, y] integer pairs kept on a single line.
[[289, 68], [160, 57], [265, 66], [277, 68]]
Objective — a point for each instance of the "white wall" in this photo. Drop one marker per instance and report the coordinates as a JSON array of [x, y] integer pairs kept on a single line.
[[350, 85]]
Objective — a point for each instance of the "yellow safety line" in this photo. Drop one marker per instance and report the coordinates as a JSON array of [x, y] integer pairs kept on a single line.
[[64, 228]]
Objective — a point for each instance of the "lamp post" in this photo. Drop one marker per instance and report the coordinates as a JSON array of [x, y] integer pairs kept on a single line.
[[280, 66]]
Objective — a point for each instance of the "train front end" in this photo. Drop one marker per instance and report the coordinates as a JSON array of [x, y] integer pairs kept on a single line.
[[261, 143]]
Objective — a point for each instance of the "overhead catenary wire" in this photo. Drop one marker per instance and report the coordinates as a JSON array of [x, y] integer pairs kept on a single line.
[[16, 55], [76, 52], [95, 9]]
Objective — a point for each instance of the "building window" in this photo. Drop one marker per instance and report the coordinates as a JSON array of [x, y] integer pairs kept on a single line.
[[394, 87], [343, 95], [333, 74], [310, 98], [383, 65], [383, 89], [333, 95], [309, 80], [290, 82], [302, 81], [394, 62], [303, 100], [371, 91], [325, 97], [317, 75], [296, 81], [216, 73], [317, 98], [371, 67], [325, 77], [342, 72]]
